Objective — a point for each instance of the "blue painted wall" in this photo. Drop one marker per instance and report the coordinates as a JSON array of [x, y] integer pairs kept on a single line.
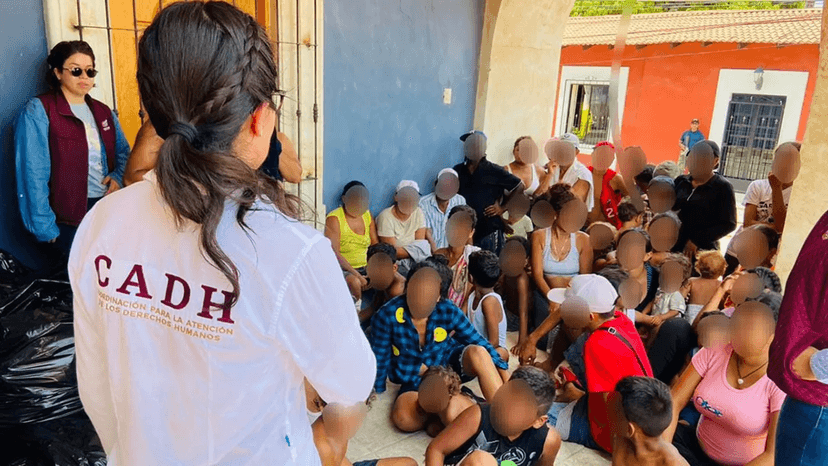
[[23, 57], [386, 65]]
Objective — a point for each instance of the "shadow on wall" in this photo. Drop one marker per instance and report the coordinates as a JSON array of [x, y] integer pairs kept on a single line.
[[386, 68], [24, 69]]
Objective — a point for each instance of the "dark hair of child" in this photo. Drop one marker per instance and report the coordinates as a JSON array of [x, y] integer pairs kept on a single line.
[[646, 175], [438, 263], [770, 233], [710, 314], [640, 231], [614, 274], [627, 210], [559, 195], [450, 378], [464, 208], [710, 264], [769, 277], [527, 246], [382, 248], [771, 299], [647, 403], [484, 268], [540, 383], [670, 214]]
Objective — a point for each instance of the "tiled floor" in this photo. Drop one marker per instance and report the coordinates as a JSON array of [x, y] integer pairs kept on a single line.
[[379, 439]]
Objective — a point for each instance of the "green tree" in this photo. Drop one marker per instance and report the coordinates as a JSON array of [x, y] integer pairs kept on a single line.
[[616, 7]]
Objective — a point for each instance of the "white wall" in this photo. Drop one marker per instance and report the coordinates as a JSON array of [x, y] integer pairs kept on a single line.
[[783, 83]]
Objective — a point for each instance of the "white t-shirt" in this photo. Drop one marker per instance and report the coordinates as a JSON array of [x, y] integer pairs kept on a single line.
[[169, 378], [576, 172], [95, 187], [759, 193], [390, 226]]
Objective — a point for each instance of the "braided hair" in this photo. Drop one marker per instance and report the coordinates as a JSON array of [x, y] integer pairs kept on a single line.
[[203, 69]]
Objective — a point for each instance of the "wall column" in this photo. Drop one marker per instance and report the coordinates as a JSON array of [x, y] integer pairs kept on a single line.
[[518, 71], [808, 198]]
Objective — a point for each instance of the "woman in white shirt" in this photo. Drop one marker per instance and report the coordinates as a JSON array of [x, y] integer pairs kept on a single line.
[[201, 303]]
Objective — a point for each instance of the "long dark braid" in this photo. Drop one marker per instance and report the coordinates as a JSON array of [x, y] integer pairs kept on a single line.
[[203, 69]]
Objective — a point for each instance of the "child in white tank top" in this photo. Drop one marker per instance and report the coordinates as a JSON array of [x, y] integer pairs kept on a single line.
[[484, 307]]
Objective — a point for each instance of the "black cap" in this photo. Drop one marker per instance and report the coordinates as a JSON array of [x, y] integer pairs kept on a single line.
[[465, 136]]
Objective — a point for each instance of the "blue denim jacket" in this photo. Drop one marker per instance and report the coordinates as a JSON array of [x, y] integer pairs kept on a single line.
[[33, 168]]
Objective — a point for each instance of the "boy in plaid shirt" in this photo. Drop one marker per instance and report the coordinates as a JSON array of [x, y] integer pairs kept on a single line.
[[422, 329]]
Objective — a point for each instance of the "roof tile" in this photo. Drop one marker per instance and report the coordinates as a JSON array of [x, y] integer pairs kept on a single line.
[[789, 26]]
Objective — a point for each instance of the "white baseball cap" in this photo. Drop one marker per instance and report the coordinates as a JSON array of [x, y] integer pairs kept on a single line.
[[408, 184], [570, 138], [448, 170], [596, 290]]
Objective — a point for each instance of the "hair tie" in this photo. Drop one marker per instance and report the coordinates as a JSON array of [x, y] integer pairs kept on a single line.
[[185, 130]]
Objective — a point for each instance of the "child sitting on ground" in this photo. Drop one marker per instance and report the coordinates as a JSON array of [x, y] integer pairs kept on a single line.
[[383, 278], [515, 285], [670, 301], [646, 410], [330, 449], [599, 232], [711, 266], [485, 307], [629, 215], [512, 427], [459, 231], [441, 396], [421, 329]]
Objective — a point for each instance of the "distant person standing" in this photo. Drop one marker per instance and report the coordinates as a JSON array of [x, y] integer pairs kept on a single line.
[[689, 139]]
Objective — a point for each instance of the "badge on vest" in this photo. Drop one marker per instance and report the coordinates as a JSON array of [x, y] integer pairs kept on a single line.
[[105, 125]]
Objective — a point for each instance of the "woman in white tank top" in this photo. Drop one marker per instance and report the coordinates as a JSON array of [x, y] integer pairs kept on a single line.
[[524, 165]]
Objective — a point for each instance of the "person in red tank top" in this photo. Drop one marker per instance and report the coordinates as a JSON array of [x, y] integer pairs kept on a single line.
[[609, 185]]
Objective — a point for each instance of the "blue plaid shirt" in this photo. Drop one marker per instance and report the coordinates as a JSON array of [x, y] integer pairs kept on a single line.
[[396, 342]]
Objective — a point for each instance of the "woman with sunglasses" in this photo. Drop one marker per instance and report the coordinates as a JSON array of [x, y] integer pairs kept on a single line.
[[70, 150]]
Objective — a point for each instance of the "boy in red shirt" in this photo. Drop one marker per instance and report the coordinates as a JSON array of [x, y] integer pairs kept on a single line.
[[612, 352]]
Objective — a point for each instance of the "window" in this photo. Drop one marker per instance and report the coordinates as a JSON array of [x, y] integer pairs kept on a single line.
[[751, 135], [587, 115]]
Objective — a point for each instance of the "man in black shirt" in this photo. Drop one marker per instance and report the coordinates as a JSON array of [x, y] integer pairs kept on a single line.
[[705, 202], [484, 185]]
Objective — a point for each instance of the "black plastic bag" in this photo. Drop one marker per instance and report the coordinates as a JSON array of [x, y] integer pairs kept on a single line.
[[13, 275], [69, 441], [37, 355], [42, 421]]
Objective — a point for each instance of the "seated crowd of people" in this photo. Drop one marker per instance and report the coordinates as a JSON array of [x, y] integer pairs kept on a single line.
[[636, 334]]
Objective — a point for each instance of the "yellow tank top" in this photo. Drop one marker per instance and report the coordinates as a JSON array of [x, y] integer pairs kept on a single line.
[[353, 247]]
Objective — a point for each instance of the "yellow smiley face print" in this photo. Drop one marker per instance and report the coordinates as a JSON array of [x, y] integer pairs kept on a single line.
[[440, 334], [400, 315]]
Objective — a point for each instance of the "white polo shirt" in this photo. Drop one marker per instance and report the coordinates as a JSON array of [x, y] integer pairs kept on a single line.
[[577, 171], [169, 374]]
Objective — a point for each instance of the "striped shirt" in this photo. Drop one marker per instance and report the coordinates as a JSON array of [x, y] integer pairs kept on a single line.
[[436, 219]]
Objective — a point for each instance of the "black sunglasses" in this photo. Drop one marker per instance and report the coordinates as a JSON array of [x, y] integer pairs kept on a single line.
[[77, 72]]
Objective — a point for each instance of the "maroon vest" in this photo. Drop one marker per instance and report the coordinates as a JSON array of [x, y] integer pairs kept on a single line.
[[69, 152]]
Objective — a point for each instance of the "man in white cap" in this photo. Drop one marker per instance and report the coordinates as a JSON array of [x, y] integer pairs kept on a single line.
[[437, 205], [612, 351], [403, 223], [568, 169]]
